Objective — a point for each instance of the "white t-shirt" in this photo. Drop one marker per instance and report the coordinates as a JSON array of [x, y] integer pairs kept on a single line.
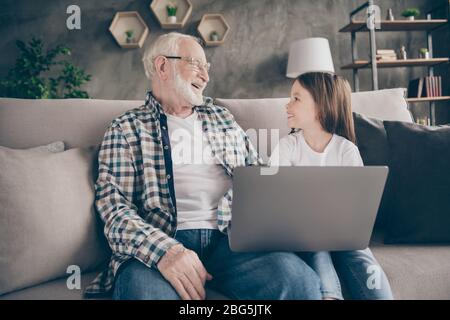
[[199, 180], [294, 151]]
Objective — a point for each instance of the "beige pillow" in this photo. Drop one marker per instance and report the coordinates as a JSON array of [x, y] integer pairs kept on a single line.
[[54, 147], [47, 218]]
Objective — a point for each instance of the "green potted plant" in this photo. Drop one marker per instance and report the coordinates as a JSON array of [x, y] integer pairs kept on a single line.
[[41, 74], [172, 12], [129, 34], [411, 13], [214, 36], [424, 53]]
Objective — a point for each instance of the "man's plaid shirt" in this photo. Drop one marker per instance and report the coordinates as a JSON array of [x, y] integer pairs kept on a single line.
[[134, 189]]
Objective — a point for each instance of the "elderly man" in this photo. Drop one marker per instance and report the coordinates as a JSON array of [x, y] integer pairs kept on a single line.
[[166, 203]]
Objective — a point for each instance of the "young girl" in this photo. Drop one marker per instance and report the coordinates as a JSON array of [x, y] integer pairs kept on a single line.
[[323, 135]]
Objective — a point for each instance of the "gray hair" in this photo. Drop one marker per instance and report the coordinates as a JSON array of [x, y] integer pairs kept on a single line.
[[165, 45]]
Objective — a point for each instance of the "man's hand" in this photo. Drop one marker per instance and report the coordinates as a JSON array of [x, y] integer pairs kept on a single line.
[[185, 272]]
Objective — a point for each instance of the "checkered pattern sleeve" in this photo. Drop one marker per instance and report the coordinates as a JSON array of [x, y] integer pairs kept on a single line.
[[117, 187], [250, 157]]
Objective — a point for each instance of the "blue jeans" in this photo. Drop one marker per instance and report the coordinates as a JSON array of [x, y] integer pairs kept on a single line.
[[362, 274], [322, 264], [259, 276]]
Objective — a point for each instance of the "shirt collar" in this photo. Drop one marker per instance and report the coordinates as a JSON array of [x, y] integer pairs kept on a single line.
[[153, 105], [156, 108]]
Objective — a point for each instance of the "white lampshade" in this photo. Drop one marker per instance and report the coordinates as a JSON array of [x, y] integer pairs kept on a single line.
[[309, 55]]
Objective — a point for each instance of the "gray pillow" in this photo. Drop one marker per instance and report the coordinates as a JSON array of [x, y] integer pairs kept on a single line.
[[47, 218], [372, 142], [420, 183]]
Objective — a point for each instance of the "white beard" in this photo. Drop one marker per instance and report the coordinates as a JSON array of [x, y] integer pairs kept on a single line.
[[184, 90]]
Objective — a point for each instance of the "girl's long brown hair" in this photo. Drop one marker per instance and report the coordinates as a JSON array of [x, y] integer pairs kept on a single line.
[[332, 95]]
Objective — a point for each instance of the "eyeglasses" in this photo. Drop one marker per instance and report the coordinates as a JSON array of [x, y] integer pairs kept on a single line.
[[194, 62]]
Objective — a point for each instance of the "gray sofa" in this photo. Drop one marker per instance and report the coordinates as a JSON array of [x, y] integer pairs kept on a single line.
[[415, 271]]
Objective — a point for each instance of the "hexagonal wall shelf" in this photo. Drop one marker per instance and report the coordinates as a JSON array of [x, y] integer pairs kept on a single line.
[[184, 10], [213, 29], [125, 21]]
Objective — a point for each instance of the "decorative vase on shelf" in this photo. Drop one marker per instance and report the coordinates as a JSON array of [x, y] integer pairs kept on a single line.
[[172, 19], [403, 54], [410, 18], [390, 15], [214, 36]]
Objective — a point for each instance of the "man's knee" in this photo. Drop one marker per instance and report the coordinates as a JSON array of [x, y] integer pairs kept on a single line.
[[136, 281]]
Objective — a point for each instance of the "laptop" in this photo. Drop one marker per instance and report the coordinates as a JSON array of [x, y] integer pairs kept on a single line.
[[305, 208]]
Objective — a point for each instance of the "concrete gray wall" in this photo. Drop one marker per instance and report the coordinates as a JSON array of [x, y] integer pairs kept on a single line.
[[252, 62]]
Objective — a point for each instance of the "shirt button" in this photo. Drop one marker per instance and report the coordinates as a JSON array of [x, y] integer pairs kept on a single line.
[[166, 147], [164, 127], [168, 176]]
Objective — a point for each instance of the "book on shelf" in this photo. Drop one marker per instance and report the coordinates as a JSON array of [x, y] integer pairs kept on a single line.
[[385, 51], [425, 87], [386, 55], [435, 86], [428, 92], [440, 86], [386, 58], [415, 88]]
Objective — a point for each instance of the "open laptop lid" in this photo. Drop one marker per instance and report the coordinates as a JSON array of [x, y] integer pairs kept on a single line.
[[305, 208]]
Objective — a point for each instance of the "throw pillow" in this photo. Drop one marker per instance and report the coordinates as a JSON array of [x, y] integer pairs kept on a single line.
[[54, 147], [371, 139], [419, 199], [47, 217]]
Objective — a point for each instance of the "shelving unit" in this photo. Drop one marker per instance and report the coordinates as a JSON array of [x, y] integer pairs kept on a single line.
[[129, 20], [429, 25], [428, 99], [159, 9], [399, 25], [213, 22], [361, 64]]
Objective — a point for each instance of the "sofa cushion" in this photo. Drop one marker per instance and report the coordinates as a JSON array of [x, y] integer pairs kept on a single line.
[[47, 221], [52, 290], [78, 122], [416, 272], [57, 290], [419, 195]]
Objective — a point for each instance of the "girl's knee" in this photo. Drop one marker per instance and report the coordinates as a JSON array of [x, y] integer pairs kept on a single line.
[[299, 280]]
